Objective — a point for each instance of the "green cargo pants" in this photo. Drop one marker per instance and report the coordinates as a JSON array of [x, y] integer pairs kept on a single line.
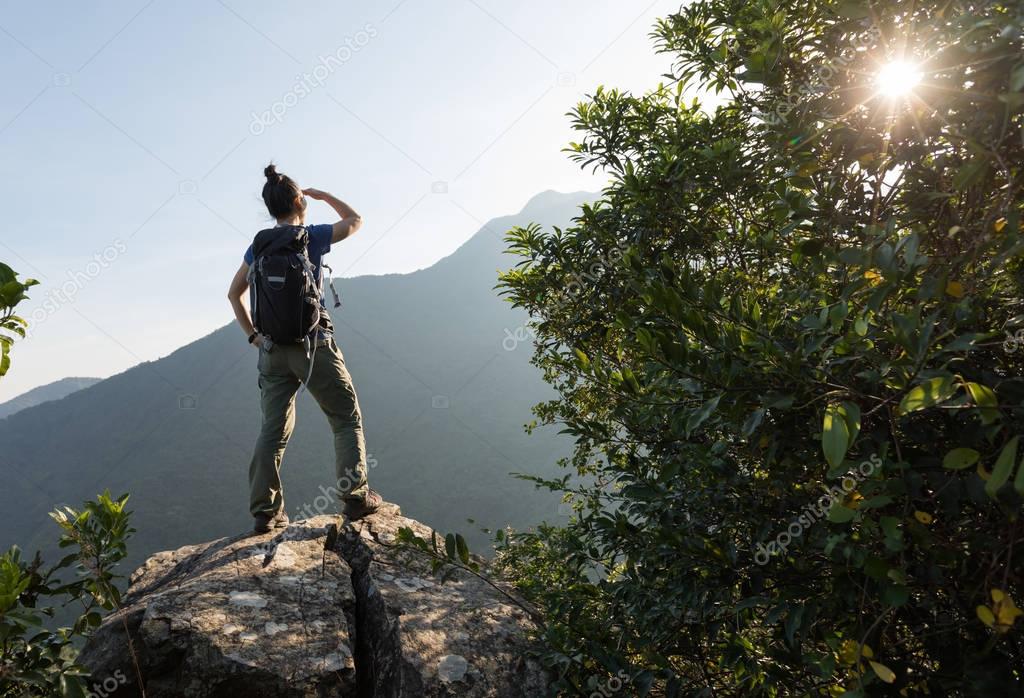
[[282, 370]]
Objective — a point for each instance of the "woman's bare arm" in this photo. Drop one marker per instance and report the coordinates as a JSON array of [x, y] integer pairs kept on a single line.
[[350, 220], [236, 295]]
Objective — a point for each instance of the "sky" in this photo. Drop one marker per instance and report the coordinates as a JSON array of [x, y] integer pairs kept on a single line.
[[133, 136]]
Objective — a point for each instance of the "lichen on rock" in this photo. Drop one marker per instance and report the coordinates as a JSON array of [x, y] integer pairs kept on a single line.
[[278, 615]]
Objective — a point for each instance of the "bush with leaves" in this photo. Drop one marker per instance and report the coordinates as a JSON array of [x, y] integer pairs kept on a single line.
[[34, 659], [12, 292], [819, 274]]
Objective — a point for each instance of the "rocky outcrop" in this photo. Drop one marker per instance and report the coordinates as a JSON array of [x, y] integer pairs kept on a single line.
[[310, 611]]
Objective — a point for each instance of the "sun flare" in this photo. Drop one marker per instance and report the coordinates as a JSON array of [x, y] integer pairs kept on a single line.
[[897, 79]]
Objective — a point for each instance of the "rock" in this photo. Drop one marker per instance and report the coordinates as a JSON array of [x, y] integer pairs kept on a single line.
[[452, 668], [227, 618], [460, 638], [277, 615]]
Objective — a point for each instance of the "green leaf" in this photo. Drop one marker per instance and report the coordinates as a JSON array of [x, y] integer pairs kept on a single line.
[[782, 401], [960, 458], [11, 290], [835, 436], [965, 342], [841, 514], [985, 398], [837, 314], [700, 415], [462, 548], [71, 687], [1018, 482], [927, 394], [971, 173], [582, 360], [882, 500], [1003, 467], [753, 421], [895, 595], [883, 672], [853, 10], [909, 246], [449, 546], [851, 415], [811, 247], [1017, 79], [630, 381]]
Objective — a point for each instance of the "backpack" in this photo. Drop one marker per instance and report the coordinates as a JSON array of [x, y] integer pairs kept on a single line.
[[284, 292]]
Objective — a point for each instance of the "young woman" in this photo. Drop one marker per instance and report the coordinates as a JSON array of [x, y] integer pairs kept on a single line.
[[283, 367]]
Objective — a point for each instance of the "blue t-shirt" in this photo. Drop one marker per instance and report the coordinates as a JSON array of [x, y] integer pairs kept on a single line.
[[319, 245]]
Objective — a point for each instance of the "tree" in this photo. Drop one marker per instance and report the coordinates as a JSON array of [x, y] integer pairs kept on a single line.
[[12, 292], [788, 342]]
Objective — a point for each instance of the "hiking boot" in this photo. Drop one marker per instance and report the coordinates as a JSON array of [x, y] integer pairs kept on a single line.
[[280, 519], [262, 523], [358, 508]]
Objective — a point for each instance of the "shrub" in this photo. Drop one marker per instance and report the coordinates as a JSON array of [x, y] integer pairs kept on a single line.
[[34, 659], [786, 343]]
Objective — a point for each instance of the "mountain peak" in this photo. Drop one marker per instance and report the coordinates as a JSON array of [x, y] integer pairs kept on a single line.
[[289, 614], [484, 252], [56, 390], [552, 198]]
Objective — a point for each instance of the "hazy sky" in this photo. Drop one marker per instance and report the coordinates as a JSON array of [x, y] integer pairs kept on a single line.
[[133, 137]]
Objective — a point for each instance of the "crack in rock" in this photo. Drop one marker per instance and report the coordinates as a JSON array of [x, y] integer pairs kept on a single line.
[[378, 640]]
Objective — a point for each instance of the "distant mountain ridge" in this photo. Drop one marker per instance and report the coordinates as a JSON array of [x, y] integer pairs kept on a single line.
[[444, 404], [45, 393]]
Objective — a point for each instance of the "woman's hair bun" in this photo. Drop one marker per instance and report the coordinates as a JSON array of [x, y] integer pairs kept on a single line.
[[281, 194]]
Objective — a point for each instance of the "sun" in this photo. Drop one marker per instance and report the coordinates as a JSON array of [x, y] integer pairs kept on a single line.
[[897, 79]]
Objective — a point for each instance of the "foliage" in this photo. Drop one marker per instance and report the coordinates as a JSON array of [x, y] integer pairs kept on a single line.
[[785, 344], [12, 292], [452, 553], [38, 661]]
